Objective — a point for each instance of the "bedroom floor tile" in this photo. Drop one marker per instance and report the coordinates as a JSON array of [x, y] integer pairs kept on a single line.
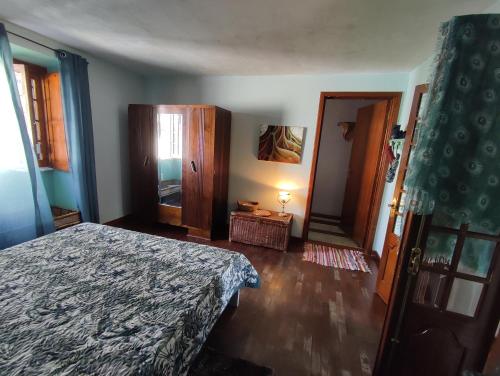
[[306, 319]]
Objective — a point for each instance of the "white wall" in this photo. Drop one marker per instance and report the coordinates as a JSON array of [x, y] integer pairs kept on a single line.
[[254, 100], [334, 155], [111, 91], [112, 88]]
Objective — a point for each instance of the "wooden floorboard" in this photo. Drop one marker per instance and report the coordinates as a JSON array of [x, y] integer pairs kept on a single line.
[[305, 319]]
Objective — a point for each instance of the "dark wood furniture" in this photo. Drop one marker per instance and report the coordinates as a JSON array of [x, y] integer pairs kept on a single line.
[[205, 133], [64, 217], [271, 232]]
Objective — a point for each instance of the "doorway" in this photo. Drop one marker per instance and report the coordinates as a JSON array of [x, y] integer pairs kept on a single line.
[[349, 167]]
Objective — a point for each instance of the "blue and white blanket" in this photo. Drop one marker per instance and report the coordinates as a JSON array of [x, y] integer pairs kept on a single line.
[[98, 300]]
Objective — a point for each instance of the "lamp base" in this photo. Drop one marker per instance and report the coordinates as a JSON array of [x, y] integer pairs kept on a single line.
[[282, 214]]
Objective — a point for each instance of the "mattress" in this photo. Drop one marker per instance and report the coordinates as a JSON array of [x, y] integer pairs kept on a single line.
[[94, 299]]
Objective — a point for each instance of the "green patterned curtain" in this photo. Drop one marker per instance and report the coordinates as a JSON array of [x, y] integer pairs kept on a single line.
[[454, 171]]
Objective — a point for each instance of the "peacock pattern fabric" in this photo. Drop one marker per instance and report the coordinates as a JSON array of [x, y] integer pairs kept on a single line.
[[98, 300], [454, 171]]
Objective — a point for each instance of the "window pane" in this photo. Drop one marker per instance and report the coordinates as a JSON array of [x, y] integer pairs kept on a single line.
[[36, 115], [439, 250], [21, 87], [476, 257], [170, 136], [429, 288], [464, 297], [485, 227], [12, 157]]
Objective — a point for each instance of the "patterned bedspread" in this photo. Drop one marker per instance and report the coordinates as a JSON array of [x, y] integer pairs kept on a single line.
[[99, 300]]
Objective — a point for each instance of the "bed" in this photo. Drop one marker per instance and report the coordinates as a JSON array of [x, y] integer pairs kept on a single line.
[[94, 299], [169, 192]]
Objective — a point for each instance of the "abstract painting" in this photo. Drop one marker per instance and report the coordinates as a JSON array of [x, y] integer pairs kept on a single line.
[[280, 143]]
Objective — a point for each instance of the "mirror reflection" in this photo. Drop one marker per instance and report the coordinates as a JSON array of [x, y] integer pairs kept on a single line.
[[170, 159]]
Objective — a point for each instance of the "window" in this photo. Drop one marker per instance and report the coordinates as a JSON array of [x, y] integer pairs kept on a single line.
[[41, 101], [170, 136], [30, 85]]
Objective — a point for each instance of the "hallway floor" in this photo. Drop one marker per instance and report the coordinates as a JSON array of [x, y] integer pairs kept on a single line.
[[327, 230]]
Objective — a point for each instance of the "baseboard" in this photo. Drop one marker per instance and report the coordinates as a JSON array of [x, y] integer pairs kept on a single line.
[[375, 256], [332, 222], [118, 221], [341, 234], [329, 216]]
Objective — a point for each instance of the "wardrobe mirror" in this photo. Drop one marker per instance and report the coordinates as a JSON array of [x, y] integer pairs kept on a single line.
[[170, 158]]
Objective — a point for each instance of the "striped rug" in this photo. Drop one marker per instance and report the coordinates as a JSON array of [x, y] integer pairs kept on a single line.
[[341, 258]]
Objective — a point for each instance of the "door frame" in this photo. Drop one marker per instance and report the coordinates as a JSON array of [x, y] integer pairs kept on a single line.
[[410, 129], [394, 99]]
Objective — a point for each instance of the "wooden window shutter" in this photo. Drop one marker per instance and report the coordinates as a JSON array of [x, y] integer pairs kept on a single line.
[[55, 122]]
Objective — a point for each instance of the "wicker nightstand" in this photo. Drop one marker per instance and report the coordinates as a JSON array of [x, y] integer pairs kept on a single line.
[[272, 232]]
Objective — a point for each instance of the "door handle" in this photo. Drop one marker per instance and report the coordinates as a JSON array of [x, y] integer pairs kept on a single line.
[[414, 264], [193, 166], [146, 160]]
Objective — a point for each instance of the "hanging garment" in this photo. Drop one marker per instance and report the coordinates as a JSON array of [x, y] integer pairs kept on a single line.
[[455, 171]]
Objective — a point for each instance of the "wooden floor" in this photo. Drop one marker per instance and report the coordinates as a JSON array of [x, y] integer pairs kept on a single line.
[[305, 319]]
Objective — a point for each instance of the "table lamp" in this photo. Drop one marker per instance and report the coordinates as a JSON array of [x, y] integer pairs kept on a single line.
[[283, 198]]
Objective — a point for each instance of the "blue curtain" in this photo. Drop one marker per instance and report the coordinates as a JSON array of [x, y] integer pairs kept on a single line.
[[80, 139], [24, 208]]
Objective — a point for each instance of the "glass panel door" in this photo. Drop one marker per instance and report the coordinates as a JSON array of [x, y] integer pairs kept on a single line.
[[442, 314], [454, 268]]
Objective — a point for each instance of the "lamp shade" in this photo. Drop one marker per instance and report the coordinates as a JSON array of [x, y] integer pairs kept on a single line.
[[284, 197]]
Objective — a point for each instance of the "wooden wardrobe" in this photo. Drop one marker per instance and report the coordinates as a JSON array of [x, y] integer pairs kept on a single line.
[[179, 165]]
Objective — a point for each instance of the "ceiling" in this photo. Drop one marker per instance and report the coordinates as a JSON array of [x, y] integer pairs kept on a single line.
[[245, 36]]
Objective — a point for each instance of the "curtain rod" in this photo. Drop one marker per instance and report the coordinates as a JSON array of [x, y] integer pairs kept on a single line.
[[31, 40]]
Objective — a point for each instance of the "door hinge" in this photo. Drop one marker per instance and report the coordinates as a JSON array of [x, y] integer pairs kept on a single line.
[[414, 264]]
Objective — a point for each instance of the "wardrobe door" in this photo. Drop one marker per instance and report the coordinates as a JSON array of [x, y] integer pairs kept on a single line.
[[142, 153], [198, 168], [221, 169]]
